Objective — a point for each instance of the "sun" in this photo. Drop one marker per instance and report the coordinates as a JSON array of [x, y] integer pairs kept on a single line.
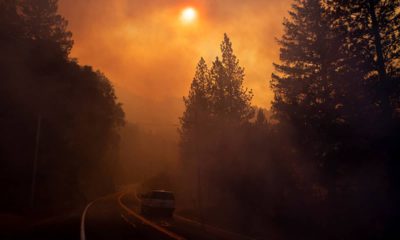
[[188, 15]]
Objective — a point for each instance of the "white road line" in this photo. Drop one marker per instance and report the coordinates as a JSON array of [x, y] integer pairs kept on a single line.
[[83, 234]]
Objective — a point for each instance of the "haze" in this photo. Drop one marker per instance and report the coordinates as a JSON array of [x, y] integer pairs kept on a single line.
[[199, 119], [150, 55]]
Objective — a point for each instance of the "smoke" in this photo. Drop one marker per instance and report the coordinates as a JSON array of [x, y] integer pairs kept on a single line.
[[150, 56]]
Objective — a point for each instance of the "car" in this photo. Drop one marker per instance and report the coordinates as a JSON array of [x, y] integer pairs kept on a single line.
[[158, 203]]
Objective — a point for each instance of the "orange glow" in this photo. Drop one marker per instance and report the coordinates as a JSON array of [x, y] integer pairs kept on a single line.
[[149, 51], [188, 15]]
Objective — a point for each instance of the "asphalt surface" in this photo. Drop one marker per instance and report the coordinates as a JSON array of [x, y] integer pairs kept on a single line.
[[116, 217]]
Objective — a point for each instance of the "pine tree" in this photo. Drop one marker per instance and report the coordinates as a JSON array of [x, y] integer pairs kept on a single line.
[[197, 105], [318, 85], [217, 103], [373, 28], [231, 102], [374, 34], [303, 82]]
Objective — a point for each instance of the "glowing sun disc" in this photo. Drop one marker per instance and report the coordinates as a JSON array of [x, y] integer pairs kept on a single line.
[[188, 15]]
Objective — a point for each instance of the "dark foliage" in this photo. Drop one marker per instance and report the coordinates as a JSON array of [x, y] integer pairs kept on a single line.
[[335, 86], [325, 165], [76, 107]]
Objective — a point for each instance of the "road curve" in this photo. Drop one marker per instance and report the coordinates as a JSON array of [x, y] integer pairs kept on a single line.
[[83, 234], [116, 217], [210, 230]]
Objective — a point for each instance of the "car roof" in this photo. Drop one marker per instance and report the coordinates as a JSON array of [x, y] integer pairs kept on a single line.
[[162, 191]]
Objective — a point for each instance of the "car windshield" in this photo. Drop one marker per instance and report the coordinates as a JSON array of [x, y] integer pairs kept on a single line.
[[162, 195]]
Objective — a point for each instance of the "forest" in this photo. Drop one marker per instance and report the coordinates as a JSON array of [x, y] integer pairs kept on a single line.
[[321, 163], [57, 117]]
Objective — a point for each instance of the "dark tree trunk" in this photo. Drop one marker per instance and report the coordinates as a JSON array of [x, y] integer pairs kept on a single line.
[[384, 85], [377, 41]]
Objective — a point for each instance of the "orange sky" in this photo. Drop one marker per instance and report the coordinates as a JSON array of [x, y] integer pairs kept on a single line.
[[150, 55]]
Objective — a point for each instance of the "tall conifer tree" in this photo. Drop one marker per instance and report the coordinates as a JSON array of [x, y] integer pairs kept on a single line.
[[231, 100]]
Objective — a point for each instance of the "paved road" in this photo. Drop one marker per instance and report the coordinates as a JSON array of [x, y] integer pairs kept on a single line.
[[116, 217], [178, 227]]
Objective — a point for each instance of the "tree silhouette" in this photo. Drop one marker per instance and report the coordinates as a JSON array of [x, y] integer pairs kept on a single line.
[[306, 94], [197, 115], [230, 100], [214, 122], [43, 23], [216, 98], [335, 89], [77, 106], [373, 27]]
